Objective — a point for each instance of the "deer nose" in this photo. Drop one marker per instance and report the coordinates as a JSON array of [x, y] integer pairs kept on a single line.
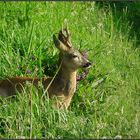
[[87, 64]]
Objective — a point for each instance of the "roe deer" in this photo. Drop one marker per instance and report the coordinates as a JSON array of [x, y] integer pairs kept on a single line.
[[63, 85]]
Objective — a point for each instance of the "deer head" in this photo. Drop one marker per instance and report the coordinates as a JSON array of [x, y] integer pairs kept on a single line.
[[70, 57]]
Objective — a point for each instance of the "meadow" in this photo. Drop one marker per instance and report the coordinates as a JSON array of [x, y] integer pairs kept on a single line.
[[106, 109]]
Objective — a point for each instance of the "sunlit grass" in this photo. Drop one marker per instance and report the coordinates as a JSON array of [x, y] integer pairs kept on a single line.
[[109, 110]]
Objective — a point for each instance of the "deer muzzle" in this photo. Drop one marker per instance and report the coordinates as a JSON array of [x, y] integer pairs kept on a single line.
[[87, 65]]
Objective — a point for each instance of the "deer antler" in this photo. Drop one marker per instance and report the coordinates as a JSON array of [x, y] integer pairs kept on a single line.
[[67, 32], [64, 36]]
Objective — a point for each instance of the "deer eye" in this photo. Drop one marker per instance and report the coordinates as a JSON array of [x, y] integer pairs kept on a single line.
[[74, 56]]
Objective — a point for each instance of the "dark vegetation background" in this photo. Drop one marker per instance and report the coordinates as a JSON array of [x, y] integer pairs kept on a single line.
[[133, 14]]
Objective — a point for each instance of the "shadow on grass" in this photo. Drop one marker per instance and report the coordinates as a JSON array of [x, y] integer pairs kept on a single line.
[[133, 15]]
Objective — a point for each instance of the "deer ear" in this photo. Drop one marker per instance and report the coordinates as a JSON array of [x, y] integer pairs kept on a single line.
[[59, 44]]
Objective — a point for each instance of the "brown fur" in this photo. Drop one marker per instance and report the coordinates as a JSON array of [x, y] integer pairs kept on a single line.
[[63, 85]]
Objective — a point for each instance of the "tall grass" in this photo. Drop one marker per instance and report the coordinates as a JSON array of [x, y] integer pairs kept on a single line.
[[106, 110]]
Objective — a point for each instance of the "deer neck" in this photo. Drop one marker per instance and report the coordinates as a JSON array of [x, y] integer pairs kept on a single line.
[[67, 80]]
